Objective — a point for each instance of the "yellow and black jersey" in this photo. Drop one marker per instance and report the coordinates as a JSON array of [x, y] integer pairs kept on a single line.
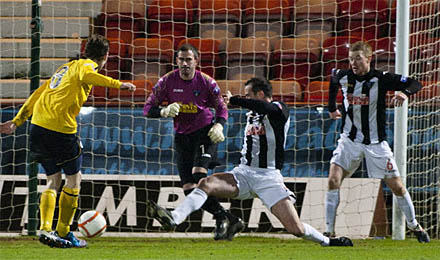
[[56, 103]]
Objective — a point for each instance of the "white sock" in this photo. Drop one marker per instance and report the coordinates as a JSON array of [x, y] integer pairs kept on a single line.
[[191, 203], [310, 233], [331, 205], [406, 205]]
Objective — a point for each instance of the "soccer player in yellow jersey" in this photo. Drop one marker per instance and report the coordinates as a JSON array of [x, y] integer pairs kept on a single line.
[[53, 141]]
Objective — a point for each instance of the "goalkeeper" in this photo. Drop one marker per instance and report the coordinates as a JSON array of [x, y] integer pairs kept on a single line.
[[53, 141], [190, 95], [363, 131]]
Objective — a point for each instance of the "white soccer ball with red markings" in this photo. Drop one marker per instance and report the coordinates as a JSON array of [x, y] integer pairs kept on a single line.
[[92, 224]]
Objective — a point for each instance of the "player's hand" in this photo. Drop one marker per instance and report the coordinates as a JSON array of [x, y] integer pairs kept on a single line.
[[216, 133], [7, 127], [128, 86], [227, 97], [172, 110], [398, 99], [335, 114]]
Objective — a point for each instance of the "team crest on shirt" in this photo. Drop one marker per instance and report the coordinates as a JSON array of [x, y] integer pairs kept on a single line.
[[196, 92]]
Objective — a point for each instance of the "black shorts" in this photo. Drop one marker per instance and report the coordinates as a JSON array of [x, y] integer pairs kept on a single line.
[[194, 150], [55, 151]]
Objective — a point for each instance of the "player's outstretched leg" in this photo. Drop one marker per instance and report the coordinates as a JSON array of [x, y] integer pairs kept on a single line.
[[421, 234], [53, 240], [234, 228], [79, 243], [340, 241], [160, 214]]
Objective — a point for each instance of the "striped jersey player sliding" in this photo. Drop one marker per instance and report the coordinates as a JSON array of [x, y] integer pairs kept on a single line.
[[258, 174]]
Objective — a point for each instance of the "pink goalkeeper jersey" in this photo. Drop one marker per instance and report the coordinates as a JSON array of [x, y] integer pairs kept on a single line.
[[195, 96]]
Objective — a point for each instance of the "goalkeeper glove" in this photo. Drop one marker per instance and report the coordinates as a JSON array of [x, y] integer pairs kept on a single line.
[[216, 133], [172, 110]]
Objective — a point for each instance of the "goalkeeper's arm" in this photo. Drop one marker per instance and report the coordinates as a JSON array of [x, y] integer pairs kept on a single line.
[[154, 111]]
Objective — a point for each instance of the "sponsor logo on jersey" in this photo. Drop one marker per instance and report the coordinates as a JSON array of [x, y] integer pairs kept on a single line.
[[196, 92], [188, 108], [256, 130], [356, 100], [178, 90]]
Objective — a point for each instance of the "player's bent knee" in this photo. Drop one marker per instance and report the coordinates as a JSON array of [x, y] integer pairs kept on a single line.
[[399, 191], [54, 181], [206, 184], [333, 183], [396, 186]]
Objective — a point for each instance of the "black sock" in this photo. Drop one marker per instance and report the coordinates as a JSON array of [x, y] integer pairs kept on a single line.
[[232, 218], [212, 205]]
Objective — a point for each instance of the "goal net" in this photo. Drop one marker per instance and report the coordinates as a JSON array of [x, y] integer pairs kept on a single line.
[[129, 159]]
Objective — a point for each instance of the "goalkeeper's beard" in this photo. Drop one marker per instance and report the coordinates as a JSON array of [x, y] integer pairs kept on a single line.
[[186, 73]]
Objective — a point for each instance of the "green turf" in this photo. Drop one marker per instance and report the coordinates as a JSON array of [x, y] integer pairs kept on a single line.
[[240, 248]]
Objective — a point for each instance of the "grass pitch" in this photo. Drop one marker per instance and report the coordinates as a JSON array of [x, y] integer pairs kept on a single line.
[[204, 248]]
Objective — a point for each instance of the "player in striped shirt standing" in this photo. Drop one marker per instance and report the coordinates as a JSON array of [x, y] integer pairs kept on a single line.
[[258, 174], [363, 131], [54, 107]]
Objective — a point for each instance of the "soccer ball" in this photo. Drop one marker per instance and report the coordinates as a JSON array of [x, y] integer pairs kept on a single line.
[[92, 224]]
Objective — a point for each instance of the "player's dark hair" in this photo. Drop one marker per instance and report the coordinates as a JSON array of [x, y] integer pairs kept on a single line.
[[189, 47], [260, 84], [97, 47]]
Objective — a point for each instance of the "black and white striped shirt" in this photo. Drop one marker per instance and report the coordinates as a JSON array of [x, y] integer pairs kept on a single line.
[[364, 103], [265, 133]]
